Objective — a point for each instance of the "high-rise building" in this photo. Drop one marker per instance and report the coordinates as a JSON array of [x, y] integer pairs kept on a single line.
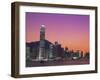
[[42, 43], [51, 51], [27, 52]]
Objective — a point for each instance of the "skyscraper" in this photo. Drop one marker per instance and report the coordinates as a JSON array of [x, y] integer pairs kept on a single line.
[[51, 51], [42, 43]]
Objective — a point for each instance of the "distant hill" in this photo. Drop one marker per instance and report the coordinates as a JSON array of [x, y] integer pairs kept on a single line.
[[36, 44]]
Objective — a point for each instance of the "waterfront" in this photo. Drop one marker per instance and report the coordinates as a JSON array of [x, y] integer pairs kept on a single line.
[[56, 62]]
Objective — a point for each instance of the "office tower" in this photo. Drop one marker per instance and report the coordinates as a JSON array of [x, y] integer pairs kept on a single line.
[[42, 43], [51, 51]]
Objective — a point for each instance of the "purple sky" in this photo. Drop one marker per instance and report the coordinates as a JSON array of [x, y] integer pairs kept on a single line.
[[68, 29]]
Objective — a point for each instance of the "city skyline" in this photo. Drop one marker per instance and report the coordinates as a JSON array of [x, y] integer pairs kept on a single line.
[[68, 29]]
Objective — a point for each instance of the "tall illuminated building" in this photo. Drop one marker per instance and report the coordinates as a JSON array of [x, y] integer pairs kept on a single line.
[[42, 43]]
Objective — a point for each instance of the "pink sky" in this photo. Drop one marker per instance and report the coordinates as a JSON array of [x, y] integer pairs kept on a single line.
[[69, 30]]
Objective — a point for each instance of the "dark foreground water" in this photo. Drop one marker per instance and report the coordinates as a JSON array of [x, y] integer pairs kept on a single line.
[[56, 63]]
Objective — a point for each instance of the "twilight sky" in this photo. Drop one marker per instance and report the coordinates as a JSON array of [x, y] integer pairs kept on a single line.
[[68, 29]]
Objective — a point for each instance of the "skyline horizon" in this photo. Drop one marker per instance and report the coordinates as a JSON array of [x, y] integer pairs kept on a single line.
[[61, 46], [77, 38]]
